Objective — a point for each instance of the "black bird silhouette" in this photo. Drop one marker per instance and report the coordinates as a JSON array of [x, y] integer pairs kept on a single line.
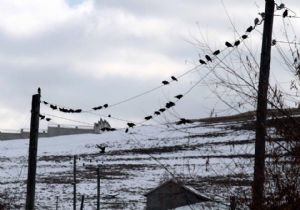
[[78, 111], [157, 113], [39, 90], [162, 109], [42, 116], [112, 129], [179, 96], [53, 107], [279, 7], [45, 102], [228, 44], [249, 29], [105, 106], [237, 43], [130, 125], [96, 108], [244, 36], [48, 119], [202, 61], [165, 82], [208, 58], [109, 115], [256, 21], [148, 117], [174, 78], [102, 148], [274, 42], [183, 121], [217, 52], [170, 104], [126, 130], [285, 13]]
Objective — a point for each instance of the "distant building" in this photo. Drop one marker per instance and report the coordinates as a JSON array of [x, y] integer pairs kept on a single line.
[[101, 124], [173, 194], [58, 130]]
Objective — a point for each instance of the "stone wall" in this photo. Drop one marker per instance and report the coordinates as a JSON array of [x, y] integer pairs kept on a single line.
[[60, 131]]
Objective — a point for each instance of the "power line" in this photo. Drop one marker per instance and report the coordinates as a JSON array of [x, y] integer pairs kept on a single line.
[[68, 119]]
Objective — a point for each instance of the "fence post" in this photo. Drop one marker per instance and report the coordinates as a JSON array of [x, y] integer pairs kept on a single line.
[[82, 202], [232, 203], [74, 183], [98, 188], [56, 203], [33, 144]]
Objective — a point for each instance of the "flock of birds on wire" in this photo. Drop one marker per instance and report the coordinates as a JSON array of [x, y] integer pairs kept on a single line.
[[170, 104]]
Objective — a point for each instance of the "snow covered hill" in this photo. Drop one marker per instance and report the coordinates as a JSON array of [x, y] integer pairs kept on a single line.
[[216, 158]]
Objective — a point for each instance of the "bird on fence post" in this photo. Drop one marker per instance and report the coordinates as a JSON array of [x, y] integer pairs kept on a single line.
[[102, 148]]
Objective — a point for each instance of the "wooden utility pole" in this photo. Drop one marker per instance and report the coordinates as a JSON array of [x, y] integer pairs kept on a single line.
[[261, 114], [33, 145], [98, 188], [74, 183]]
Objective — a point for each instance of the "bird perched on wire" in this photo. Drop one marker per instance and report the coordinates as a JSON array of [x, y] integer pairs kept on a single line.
[[217, 52], [39, 91], [170, 104], [148, 117], [157, 113], [202, 62], [162, 109], [285, 13], [244, 36], [237, 43], [48, 119], [102, 148], [174, 78], [98, 107], [208, 58], [249, 29], [105, 106], [130, 125], [53, 107], [179, 96], [42, 116], [228, 44], [256, 21], [165, 82]]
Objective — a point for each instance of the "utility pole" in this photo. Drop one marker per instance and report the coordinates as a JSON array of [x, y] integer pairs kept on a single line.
[[261, 113], [74, 183], [33, 145], [98, 188]]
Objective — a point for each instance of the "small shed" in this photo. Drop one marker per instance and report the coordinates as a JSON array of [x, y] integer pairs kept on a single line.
[[172, 194]]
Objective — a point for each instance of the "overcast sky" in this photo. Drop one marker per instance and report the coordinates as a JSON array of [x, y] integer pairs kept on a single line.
[[84, 53]]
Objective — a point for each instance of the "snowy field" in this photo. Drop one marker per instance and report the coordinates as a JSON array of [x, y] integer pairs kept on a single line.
[[214, 158]]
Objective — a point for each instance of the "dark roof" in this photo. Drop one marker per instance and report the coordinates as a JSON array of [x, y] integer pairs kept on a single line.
[[185, 187]]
